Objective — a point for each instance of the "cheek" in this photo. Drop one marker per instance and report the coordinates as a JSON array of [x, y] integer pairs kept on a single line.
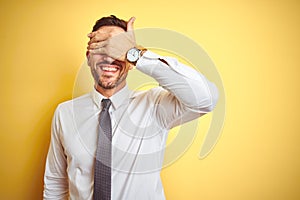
[[97, 71], [93, 59], [91, 62], [94, 73]]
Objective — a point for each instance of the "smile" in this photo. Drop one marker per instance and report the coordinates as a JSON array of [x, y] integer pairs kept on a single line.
[[109, 68]]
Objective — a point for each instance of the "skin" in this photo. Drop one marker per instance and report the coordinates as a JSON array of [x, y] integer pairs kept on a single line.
[[109, 73]]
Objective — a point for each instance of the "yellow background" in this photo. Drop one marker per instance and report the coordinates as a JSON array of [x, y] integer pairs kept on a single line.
[[254, 44]]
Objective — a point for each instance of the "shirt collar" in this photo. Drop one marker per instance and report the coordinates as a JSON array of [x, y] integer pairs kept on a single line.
[[117, 99]]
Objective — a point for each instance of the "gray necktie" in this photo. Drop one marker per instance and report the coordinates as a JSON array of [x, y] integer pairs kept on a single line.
[[102, 173]]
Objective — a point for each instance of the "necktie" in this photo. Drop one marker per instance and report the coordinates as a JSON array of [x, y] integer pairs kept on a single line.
[[102, 173]]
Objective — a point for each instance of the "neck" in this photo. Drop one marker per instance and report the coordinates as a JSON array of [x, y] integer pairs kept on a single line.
[[109, 92]]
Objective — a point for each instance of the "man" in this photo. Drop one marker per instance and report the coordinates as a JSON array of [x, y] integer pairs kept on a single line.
[[109, 144]]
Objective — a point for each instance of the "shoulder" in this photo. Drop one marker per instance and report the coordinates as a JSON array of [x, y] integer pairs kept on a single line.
[[68, 106]]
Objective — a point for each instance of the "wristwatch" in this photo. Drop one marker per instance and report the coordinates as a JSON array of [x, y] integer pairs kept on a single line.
[[134, 54]]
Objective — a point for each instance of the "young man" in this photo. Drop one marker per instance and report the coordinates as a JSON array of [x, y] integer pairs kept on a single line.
[[109, 144]]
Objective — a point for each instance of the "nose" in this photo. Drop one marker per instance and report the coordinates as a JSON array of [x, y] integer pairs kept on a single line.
[[108, 59]]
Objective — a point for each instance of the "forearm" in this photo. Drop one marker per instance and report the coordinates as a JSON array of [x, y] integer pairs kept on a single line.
[[190, 87]]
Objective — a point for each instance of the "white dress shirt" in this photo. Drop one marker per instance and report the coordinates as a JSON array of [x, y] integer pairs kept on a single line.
[[140, 123]]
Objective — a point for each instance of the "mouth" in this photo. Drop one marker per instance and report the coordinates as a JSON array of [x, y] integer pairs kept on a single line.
[[109, 67]]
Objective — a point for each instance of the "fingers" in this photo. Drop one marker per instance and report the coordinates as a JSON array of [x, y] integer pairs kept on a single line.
[[130, 24], [101, 35], [97, 45], [92, 34], [98, 36], [98, 32], [106, 41], [98, 51]]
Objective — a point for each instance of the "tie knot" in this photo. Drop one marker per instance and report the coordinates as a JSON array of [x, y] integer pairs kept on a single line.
[[106, 103]]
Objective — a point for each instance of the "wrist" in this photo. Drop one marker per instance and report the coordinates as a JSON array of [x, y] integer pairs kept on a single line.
[[134, 54], [142, 49]]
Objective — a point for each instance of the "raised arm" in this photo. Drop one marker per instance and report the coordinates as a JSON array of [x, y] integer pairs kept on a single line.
[[189, 94]]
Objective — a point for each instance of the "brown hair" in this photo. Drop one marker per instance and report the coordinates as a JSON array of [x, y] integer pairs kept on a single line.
[[110, 21]]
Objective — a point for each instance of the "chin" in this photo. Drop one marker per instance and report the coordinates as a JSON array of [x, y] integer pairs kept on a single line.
[[106, 85]]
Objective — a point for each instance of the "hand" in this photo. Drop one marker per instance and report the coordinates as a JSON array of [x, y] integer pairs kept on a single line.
[[108, 42]]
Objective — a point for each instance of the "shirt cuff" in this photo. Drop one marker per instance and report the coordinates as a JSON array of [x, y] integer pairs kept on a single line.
[[148, 58]]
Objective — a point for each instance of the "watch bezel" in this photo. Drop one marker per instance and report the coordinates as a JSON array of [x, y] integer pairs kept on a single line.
[[136, 58]]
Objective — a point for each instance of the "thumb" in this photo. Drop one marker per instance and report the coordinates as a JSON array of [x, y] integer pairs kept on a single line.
[[130, 24]]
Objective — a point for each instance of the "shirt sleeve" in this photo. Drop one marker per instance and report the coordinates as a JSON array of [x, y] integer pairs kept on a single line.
[[188, 94], [55, 177]]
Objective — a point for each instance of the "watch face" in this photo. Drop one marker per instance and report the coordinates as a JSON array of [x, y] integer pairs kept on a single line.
[[133, 55]]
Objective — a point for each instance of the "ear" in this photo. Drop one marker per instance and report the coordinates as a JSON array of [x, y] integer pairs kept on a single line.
[[130, 66], [88, 58]]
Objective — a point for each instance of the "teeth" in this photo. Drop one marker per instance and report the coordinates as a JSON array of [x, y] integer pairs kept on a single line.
[[111, 69]]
